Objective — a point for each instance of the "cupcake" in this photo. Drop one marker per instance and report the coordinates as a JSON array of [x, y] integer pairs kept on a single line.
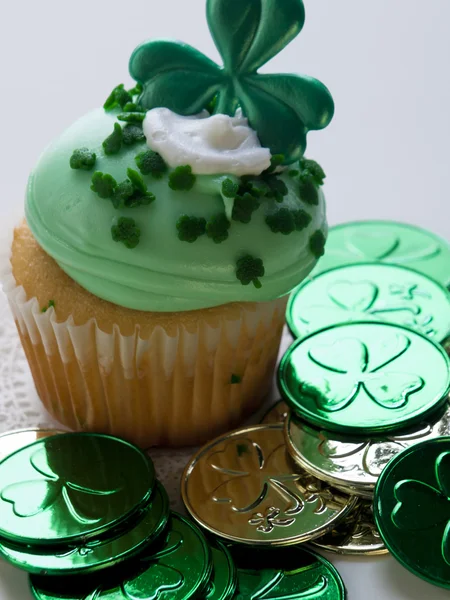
[[164, 232]]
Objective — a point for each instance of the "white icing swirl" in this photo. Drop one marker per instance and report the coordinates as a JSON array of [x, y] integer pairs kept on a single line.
[[209, 144]]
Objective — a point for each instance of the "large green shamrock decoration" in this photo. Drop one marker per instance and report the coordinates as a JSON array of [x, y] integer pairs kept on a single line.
[[248, 33], [412, 494]]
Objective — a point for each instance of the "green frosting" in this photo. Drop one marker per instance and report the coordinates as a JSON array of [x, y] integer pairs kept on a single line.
[[73, 225]]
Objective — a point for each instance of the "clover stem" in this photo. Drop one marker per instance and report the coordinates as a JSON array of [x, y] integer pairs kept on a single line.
[[227, 102]]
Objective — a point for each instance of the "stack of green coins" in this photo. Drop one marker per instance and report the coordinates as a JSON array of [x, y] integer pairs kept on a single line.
[[86, 517], [365, 383]]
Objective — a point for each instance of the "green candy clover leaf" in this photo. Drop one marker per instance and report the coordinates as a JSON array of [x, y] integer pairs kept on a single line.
[[282, 108]]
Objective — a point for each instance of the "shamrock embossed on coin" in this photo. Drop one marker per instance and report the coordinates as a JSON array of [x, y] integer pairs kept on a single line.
[[388, 242], [269, 520], [355, 463], [355, 535], [285, 574], [364, 377], [32, 497], [381, 292], [159, 577], [69, 488], [412, 493], [244, 487], [412, 509]]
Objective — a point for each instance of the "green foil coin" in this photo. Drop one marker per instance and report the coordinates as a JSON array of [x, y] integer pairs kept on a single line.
[[224, 580], [178, 569], [388, 242], [381, 292], [12, 441], [412, 510], [72, 487], [364, 378], [293, 573], [95, 555]]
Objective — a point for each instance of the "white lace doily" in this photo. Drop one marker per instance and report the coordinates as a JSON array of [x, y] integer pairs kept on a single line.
[[21, 408]]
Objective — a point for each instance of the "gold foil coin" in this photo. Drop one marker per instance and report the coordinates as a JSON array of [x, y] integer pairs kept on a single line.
[[278, 413], [244, 487], [356, 535]]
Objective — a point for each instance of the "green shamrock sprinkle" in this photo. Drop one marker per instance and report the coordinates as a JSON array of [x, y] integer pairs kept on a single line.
[[242, 448], [230, 188], [136, 91], [317, 173], [235, 379], [217, 228], [301, 219], [286, 221], [278, 188], [136, 180], [151, 163], [127, 232], [51, 304], [132, 117], [124, 191], [317, 243], [119, 96], [264, 186], [113, 143], [190, 228], [249, 270], [276, 161], [308, 190], [132, 107], [257, 187], [182, 179], [244, 207], [132, 192], [103, 184], [83, 159], [132, 134]]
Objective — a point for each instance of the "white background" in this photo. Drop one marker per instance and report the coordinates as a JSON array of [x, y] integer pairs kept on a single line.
[[386, 153]]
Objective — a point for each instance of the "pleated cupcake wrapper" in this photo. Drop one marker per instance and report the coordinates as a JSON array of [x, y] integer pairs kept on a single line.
[[169, 388]]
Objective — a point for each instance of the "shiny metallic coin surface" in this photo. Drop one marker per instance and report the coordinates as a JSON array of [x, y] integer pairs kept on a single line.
[[95, 555], [382, 292], [388, 242], [294, 573], [73, 487], [356, 535], [276, 414], [179, 568], [243, 487], [224, 579], [364, 378], [12, 441], [354, 464], [411, 508]]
